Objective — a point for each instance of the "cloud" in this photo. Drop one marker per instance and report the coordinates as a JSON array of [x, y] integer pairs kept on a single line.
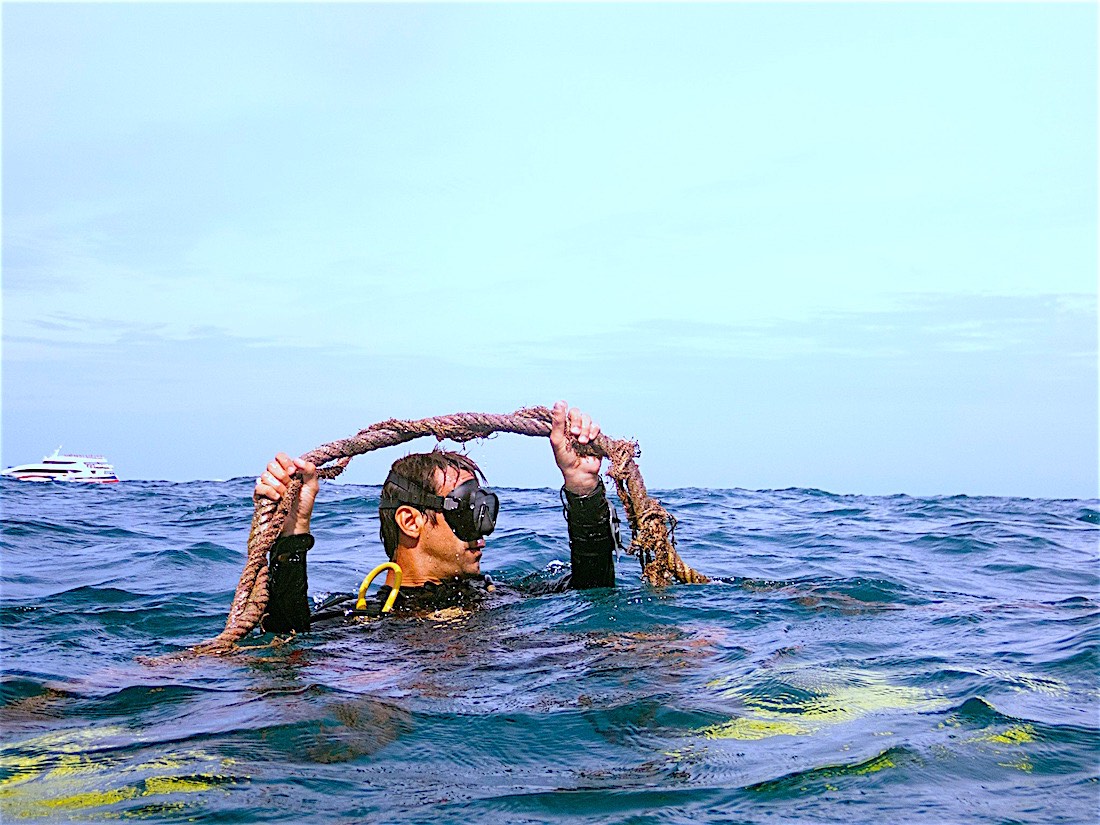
[[917, 326]]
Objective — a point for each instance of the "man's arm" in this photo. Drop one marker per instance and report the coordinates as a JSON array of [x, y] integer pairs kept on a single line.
[[288, 602], [591, 534], [592, 539]]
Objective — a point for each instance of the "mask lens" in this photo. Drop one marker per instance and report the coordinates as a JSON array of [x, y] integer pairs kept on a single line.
[[474, 513], [486, 512]]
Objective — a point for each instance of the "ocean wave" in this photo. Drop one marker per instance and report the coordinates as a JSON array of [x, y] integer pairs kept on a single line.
[[907, 658]]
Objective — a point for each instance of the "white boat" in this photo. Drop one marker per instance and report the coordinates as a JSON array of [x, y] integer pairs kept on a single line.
[[58, 467]]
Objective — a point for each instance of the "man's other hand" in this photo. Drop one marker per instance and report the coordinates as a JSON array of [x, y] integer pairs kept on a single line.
[[581, 473], [272, 485]]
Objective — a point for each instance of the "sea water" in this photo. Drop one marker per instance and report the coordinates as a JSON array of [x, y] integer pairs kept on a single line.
[[864, 659]]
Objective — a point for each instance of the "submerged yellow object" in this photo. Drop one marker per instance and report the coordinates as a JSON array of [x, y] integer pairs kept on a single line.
[[361, 604], [77, 774], [799, 701]]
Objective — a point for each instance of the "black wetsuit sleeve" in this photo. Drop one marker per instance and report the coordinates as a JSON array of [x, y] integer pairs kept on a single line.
[[288, 604], [592, 539]]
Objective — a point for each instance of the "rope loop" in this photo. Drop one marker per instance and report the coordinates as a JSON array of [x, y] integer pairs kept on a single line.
[[649, 522]]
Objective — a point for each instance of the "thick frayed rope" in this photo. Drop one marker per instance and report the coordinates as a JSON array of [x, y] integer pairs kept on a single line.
[[650, 524]]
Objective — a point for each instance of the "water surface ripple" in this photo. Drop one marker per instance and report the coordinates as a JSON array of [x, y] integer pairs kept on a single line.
[[865, 659]]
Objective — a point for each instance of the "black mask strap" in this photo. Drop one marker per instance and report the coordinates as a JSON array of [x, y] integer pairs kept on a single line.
[[411, 493]]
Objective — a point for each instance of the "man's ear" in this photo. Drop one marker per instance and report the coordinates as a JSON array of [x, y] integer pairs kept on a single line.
[[410, 521]]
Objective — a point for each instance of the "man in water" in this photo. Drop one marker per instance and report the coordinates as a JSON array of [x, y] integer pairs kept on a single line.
[[434, 518]]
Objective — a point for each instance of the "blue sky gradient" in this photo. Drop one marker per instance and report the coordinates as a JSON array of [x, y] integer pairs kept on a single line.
[[850, 247]]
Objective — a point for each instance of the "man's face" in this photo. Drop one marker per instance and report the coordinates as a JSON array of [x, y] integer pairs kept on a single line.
[[449, 555]]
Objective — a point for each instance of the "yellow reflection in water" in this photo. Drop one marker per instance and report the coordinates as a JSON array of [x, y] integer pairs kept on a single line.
[[801, 701], [60, 771]]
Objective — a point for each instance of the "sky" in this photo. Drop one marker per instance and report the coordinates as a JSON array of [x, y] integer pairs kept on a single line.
[[850, 247]]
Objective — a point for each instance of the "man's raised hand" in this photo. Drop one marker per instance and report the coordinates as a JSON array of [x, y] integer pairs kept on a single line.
[[272, 485], [581, 473]]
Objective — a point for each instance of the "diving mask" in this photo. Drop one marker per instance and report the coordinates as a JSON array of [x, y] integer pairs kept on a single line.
[[469, 509]]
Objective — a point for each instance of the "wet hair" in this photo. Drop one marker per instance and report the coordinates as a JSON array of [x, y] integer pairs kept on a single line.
[[421, 468]]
